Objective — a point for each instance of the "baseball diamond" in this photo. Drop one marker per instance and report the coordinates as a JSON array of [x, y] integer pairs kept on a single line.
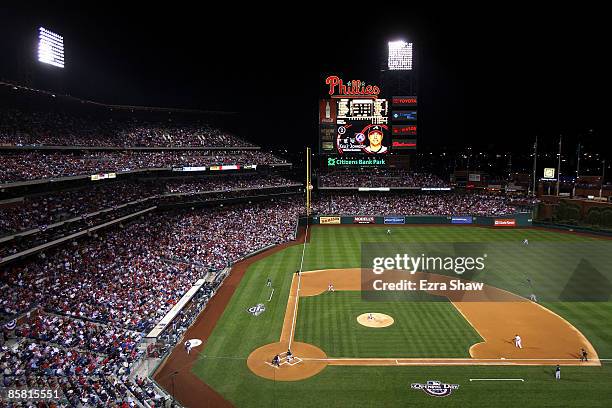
[[351, 209], [439, 335]]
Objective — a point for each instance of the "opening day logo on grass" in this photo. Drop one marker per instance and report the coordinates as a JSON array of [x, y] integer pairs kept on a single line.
[[435, 388], [257, 310]]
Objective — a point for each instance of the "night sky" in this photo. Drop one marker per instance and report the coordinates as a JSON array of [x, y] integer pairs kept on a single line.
[[487, 78]]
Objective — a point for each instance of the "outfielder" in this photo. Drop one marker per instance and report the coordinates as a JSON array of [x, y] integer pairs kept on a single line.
[[558, 372], [525, 241]]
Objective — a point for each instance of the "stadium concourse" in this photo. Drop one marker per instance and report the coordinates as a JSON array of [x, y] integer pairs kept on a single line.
[[104, 230]]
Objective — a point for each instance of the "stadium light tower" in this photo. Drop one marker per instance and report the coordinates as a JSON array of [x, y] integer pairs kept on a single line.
[[50, 48], [400, 56], [398, 73]]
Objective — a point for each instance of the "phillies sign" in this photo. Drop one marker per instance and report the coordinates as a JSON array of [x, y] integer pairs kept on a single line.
[[354, 88]]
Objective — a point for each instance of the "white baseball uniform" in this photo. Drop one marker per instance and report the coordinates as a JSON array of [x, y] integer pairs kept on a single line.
[[517, 341]]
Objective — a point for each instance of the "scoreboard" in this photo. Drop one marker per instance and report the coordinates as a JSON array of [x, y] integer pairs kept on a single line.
[[356, 121], [354, 125], [404, 122], [361, 126]]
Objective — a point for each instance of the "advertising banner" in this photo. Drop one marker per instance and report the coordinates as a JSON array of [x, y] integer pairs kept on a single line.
[[505, 222], [192, 168], [404, 101], [363, 220], [329, 220], [461, 220], [103, 176], [395, 220]]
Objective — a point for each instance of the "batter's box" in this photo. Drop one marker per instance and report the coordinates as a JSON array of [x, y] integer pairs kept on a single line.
[[285, 361]]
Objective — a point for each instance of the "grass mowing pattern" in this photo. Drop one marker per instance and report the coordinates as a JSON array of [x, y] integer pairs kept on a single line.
[[421, 329], [222, 363]]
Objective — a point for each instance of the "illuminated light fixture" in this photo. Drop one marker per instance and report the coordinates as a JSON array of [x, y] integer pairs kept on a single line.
[[50, 48], [400, 55]]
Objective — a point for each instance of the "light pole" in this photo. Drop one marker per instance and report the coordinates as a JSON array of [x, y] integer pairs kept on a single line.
[[603, 175], [577, 168], [535, 160], [559, 167]]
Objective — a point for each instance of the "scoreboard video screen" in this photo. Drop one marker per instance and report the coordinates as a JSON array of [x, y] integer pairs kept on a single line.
[[356, 120], [361, 126]]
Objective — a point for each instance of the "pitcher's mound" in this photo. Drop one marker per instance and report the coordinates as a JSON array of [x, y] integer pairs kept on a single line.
[[375, 320]]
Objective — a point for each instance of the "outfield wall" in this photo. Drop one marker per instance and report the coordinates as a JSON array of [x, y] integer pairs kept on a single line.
[[510, 220]]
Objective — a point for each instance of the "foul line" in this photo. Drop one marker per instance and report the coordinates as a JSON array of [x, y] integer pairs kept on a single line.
[[398, 360], [270, 298], [297, 292], [497, 379]]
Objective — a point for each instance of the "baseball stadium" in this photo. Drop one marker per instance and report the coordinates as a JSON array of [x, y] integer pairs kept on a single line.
[[344, 233]]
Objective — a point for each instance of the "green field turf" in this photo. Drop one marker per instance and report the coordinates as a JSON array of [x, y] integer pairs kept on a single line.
[[222, 362], [420, 329]]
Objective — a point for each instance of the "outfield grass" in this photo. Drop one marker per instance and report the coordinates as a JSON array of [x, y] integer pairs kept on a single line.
[[223, 365], [420, 329]]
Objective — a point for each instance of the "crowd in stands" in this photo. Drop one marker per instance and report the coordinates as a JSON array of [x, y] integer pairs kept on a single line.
[[45, 209], [18, 243], [99, 295], [228, 183], [76, 378], [395, 203], [115, 342], [388, 178], [59, 128], [161, 256], [38, 164]]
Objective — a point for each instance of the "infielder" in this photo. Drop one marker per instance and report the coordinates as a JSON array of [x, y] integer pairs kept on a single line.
[[330, 287], [517, 342], [583, 355], [370, 316]]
